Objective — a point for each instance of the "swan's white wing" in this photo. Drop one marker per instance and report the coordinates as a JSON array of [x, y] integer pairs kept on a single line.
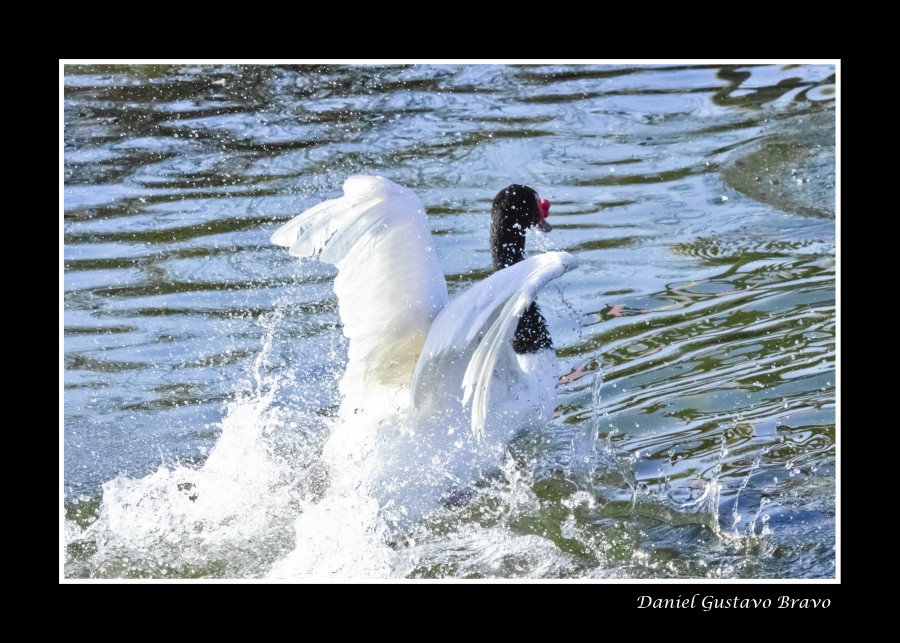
[[389, 284], [476, 328]]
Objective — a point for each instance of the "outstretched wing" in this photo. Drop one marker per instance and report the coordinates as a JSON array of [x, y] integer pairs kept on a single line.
[[390, 285], [475, 330]]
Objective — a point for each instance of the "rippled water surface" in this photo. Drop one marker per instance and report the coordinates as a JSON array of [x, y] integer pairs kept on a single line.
[[695, 434]]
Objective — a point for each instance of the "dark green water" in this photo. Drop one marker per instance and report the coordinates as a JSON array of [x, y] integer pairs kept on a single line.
[[696, 430]]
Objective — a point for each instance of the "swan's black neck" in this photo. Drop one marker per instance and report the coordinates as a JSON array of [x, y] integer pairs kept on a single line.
[[514, 211], [507, 245], [532, 333]]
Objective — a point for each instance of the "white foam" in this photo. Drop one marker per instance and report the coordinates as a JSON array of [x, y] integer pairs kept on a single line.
[[265, 503]]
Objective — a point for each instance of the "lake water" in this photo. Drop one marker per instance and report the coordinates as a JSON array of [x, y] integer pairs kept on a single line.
[[695, 434]]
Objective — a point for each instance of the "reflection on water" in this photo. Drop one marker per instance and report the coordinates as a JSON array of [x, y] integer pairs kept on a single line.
[[696, 425]]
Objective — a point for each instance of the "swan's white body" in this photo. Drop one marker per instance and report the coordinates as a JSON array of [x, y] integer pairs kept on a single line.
[[433, 391]]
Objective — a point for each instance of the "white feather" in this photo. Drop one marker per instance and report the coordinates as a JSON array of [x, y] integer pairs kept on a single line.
[[389, 284], [476, 328]]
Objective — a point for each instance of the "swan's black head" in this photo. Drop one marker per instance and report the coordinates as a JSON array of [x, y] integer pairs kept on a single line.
[[516, 209]]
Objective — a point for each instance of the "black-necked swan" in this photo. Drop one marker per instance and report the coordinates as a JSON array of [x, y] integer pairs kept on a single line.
[[434, 389]]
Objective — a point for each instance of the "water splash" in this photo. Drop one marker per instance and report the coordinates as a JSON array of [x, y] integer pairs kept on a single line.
[[231, 516], [265, 503], [583, 464]]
